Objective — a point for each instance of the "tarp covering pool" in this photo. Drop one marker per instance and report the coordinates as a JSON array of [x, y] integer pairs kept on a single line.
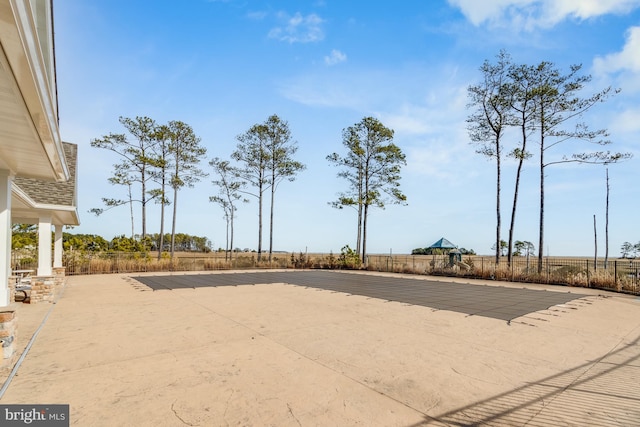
[[496, 302]]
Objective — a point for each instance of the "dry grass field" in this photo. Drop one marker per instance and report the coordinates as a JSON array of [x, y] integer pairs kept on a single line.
[[622, 275], [616, 274]]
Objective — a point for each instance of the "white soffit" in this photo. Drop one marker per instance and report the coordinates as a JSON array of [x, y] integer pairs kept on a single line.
[[30, 143]]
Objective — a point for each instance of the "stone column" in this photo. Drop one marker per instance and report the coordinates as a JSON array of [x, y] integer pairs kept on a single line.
[[44, 245]]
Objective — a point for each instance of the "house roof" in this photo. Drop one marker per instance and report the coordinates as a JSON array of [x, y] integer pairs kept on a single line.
[[443, 244], [31, 196], [53, 193]]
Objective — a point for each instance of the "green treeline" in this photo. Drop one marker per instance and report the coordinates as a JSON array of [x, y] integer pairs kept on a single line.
[[26, 237]]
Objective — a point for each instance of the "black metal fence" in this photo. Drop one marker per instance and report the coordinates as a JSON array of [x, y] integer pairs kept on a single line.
[[621, 275], [24, 259]]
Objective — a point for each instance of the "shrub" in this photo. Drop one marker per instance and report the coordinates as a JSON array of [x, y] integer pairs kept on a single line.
[[349, 258], [301, 261]]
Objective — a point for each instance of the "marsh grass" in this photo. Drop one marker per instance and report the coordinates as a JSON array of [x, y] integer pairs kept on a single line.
[[619, 275]]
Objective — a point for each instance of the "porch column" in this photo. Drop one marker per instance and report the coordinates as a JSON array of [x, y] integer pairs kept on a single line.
[[44, 245], [5, 236], [57, 248]]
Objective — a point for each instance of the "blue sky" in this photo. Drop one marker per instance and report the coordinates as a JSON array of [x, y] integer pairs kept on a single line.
[[223, 65]]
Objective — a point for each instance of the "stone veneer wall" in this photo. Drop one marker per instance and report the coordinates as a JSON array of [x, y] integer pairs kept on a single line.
[[8, 335], [59, 275], [12, 288], [42, 289]]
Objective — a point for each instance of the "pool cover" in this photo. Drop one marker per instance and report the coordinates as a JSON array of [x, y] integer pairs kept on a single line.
[[496, 302]]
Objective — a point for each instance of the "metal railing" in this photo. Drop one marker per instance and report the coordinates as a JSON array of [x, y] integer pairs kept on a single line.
[[621, 275], [136, 262]]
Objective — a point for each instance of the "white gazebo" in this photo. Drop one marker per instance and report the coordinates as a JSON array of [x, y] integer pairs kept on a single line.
[[37, 170]]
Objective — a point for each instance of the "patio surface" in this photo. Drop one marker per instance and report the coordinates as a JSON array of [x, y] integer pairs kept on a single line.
[[330, 348]]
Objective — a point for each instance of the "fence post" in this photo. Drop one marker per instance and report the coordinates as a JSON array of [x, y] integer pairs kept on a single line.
[[588, 277], [548, 270], [615, 274]]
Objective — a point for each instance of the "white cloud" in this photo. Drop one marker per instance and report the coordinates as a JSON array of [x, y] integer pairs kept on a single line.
[[585, 9], [628, 59], [441, 154], [488, 10], [257, 15], [412, 122], [627, 122], [298, 28], [436, 142], [335, 57], [425, 106], [431, 115], [529, 14], [333, 90]]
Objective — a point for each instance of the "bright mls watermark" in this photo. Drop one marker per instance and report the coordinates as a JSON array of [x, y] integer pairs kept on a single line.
[[34, 415]]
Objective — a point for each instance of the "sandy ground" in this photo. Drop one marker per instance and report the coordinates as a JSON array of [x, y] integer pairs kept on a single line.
[[281, 355]]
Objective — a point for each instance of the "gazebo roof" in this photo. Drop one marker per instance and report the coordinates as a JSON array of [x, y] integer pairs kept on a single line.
[[443, 244]]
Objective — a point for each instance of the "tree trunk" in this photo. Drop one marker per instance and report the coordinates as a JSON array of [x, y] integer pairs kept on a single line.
[[161, 232], [595, 239], [364, 234], [231, 239], [498, 218], [606, 227], [260, 220], [359, 238], [513, 215], [226, 244], [541, 230], [273, 192], [163, 187], [144, 205], [360, 200], [131, 209], [515, 193], [364, 201], [173, 223]]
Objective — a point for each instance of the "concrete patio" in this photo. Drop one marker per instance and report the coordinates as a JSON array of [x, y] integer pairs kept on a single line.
[[120, 353]]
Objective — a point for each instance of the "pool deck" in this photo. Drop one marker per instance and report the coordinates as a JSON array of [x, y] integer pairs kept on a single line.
[[120, 353]]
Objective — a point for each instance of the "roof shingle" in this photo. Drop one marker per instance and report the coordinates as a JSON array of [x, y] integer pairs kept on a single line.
[[53, 193]]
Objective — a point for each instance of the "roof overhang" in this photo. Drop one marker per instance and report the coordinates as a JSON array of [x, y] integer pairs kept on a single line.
[[24, 210], [30, 143]]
